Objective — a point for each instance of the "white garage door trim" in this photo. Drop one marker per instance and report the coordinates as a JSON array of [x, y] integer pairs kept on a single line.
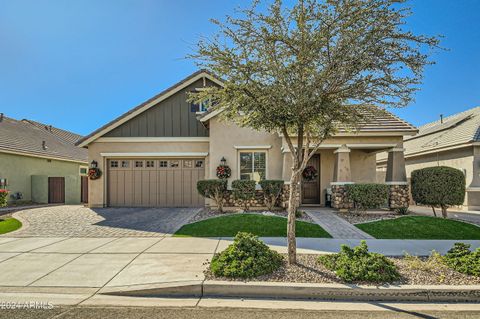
[[156, 154]]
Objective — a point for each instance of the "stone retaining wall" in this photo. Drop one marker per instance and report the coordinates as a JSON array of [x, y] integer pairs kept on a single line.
[[399, 196], [340, 197], [259, 200]]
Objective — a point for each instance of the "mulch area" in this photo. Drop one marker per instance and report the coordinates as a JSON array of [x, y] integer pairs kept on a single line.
[[308, 270], [365, 217], [207, 213]]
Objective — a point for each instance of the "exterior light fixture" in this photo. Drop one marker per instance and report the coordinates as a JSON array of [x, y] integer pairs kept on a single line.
[[223, 161], [93, 164]]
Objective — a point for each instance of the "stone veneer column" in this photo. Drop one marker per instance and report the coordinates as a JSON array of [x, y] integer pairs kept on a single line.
[[396, 178], [341, 177]]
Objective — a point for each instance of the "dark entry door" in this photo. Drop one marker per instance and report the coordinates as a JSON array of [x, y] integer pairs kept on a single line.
[[56, 190], [311, 189], [84, 189]]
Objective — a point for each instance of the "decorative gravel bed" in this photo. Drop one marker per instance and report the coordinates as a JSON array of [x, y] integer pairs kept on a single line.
[[365, 217], [207, 213], [308, 270]]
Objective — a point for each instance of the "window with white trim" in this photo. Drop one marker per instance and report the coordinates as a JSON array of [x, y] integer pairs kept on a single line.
[[253, 165]]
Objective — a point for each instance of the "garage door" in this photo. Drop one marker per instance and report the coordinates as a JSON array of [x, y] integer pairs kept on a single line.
[[155, 182]]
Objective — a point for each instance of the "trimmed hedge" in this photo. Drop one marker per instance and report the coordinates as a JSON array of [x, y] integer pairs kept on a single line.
[[358, 264], [439, 186], [247, 257], [214, 189], [365, 196], [271, 191], [244, 190]]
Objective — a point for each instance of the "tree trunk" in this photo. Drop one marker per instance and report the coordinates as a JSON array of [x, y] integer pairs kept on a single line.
[[292, 209], [434, 212], [219, 200], [444, 211]]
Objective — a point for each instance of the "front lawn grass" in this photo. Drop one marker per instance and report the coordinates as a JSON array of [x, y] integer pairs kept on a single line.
[[263, 226], [9, 224], [420, 227]]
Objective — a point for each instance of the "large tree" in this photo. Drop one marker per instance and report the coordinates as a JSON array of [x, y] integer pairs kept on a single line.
[[303, 70]]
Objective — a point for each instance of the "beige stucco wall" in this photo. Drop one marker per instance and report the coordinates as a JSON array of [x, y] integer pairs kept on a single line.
[[29, 176], [225, 136], [97, 188]]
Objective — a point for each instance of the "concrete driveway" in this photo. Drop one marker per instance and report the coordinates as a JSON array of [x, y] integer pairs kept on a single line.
[[79, 221]]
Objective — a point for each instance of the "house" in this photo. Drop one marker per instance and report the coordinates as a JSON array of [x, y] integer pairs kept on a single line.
[[154, 154], [450, 141], [40, 163]]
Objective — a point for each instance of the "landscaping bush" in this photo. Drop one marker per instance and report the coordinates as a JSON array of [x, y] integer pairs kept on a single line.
[[3, 197], [271, 191], [357, 264], [247, 257], [439, 186], [366, 196], [244, 190], [214, 189], [462, 259]]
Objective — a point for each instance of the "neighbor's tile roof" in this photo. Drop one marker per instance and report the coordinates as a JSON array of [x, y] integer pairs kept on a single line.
[[457, 129], [67, 136], [27, 137]]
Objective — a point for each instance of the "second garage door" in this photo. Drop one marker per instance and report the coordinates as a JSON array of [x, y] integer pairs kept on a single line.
[[155, 182]]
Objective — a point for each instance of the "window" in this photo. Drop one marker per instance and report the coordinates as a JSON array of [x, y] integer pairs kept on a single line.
[[187, 163], [253, 165], [138, 163], [174, 163], [113, 163], [125, 164], [163, 164], [150, 163], [199, 164]]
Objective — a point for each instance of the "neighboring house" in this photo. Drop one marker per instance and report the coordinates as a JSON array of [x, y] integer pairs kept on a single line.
[[40, 163], [154, 154], [450, 141]]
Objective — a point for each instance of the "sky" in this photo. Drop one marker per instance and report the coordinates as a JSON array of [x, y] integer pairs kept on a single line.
[[79, 64]]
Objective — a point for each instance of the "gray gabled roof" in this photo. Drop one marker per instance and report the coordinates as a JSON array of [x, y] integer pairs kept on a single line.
[[31, 138], [453, 130], [457, 129]]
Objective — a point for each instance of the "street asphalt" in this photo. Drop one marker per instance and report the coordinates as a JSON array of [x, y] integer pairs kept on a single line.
[[225, 313]]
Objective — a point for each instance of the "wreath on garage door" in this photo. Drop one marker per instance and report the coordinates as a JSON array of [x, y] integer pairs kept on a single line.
[[94, 173]]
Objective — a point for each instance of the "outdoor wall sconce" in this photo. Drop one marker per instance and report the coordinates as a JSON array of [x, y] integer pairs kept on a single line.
[[94, 164], [223, 161]]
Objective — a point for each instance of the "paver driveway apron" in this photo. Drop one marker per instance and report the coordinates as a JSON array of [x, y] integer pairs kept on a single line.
[[79, 221]]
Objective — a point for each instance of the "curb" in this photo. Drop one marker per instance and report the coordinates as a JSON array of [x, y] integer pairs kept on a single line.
[[278, 290]]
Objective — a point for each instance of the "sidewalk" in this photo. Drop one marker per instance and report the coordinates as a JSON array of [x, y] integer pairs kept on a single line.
[[335, 225], [95, 263]]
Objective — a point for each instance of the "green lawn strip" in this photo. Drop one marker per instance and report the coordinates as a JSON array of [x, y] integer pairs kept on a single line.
[[9, 224], [263, 226], [420, 227]]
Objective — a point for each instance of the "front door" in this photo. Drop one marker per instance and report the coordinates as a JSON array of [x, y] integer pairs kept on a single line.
[[311, 188]]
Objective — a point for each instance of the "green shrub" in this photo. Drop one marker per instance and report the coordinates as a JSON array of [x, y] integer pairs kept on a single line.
[[299, 213], [401, 210], [462, 259], [439, 186], [366, 196], [244, 190], [271, 191], [247, 257], [357, 264], [214, 189], [3, 197]]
